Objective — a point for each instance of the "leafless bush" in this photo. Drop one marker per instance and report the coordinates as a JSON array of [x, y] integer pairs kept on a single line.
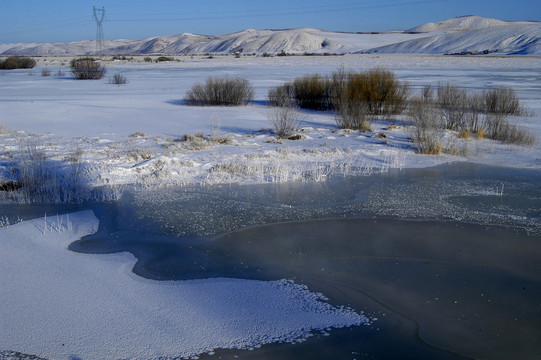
[[284, 118], [17, 62], [45, 72], [87, 69], [383, 93], [378, 92], [499, 128], [118, 79], [220, 92], [281, 95], [502, 101], [312, 92], [453, 103], [427, 132], [353, 114]]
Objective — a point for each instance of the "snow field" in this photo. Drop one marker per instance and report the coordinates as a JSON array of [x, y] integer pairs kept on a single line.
[[133, 134]]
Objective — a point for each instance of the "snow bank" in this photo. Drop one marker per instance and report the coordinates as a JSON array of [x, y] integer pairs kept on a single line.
[[62, 305]]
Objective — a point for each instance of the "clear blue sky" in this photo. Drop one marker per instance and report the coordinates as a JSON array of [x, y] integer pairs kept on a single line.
[[71, 20]]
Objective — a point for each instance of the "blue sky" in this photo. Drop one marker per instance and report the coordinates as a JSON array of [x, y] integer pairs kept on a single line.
[[71, 20]]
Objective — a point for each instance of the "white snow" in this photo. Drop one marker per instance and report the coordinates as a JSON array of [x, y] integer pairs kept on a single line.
[[60, 304], [466, 23], [502, 40], [131, 134], [248, 41]]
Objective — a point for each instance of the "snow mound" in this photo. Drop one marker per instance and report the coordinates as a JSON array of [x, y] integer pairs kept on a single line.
[[464, 23], [66, 305], [503, 40]]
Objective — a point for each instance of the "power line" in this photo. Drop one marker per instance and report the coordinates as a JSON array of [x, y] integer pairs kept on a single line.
[[99, 16]]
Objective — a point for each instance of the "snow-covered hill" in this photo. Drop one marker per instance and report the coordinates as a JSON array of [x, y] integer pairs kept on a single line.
[[248, 41], [465, 23], [504, 40], [459, 35]]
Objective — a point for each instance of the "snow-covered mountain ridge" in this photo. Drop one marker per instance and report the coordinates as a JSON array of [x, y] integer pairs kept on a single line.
[[469, 34]]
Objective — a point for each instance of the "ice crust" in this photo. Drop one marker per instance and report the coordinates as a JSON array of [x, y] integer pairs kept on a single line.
[[60, 304]]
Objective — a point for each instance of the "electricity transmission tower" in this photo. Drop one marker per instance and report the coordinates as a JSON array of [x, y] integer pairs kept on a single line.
[[99, 15]]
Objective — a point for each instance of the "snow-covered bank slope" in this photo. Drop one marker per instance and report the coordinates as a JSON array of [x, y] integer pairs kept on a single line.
[[504, 40], [65, 305]]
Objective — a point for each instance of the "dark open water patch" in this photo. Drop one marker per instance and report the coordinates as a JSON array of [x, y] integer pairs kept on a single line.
[[446, 258]]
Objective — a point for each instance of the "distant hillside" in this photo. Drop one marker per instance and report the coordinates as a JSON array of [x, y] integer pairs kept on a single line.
[[504, 40], [469, 34], [294, 41], [465, 23]]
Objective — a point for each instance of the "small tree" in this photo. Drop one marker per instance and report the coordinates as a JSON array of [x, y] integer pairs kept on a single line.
[[87, 69]]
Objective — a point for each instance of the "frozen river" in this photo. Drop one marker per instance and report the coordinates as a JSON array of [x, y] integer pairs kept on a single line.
[[446, 258]]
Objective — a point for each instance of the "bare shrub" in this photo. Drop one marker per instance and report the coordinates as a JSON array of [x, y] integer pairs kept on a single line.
[[502, 101], [164, 58], [353, 114], [453, 103], [427, 92], [378, 92], [284, 118], [473, 119], [281, 94], [428, 126], [87, 69], [220, 92], [60, 73], [383, 93], [17, 62], [312, 92], [118, 79], [45, 72], [499, 128]]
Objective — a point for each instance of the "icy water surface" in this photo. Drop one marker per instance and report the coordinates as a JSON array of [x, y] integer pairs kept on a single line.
[[446, 258]]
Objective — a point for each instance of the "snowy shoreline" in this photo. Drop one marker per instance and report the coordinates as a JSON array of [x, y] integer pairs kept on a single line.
[[133, 134]]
